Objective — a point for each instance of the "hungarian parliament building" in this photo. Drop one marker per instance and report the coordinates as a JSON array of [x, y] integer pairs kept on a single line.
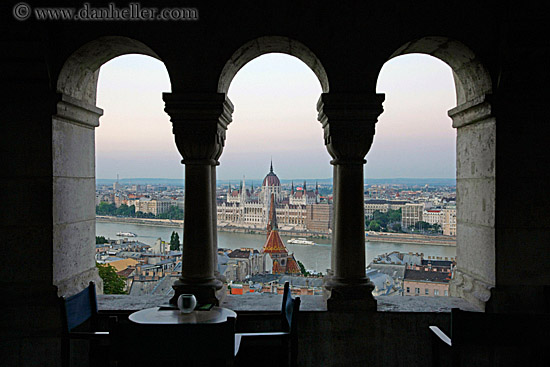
[[297, 210]]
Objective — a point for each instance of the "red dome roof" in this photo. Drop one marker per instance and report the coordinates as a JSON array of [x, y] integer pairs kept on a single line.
[[271, 178]]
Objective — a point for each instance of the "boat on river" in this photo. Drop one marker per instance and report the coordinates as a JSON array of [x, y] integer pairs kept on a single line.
[[300, 241], [126, 234]]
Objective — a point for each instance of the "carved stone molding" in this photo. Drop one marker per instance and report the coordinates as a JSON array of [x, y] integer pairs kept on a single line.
[[348, 121], [474, 290], [473, 111], [77, 112], [199, 123]]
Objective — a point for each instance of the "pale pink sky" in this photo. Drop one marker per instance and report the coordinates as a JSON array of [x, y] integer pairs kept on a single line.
[[275, 97]]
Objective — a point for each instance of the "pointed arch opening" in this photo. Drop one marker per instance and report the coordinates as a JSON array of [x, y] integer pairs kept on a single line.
[[73, 145], [271, 44], [475, 126], [274, 83]]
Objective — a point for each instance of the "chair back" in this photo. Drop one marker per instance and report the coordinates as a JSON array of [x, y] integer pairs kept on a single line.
[[173, 342], [290, 308], [79, 308]]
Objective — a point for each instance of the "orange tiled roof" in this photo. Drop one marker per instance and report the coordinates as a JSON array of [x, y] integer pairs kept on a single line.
[[276, 268], [274, 244], [292, 267]]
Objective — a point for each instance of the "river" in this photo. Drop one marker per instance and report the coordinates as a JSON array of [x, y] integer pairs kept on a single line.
[[315, 257]]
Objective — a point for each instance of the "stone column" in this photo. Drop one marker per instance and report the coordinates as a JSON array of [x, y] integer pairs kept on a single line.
[[349, 124], [475, 273], [199, 123]]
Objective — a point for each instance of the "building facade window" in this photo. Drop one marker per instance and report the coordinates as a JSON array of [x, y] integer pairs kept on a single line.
[[417, 291], [427, 291], [436, 292]]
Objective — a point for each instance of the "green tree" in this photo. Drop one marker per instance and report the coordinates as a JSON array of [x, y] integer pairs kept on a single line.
[[112, 282], [380, 218], [175, 241], [105, 209], [422, 226], [374, 226], [394, 216], [99, 240], [141, 214], [173, 213], [396, 227], [303, 269], [125, 210], [387, 219]]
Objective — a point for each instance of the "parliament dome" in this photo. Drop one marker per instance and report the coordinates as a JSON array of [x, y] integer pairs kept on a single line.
[[271, 178]]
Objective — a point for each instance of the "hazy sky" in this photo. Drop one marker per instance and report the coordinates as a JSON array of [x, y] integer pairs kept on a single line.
[[275, 97]]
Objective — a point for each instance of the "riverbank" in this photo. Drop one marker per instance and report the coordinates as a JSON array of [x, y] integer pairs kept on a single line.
[[233, 229], [412, 238], [316, 257], [141, 221], [371, 237], [172, 223]]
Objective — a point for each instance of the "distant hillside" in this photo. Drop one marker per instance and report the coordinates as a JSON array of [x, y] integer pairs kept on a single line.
[[297, 181], [412, 181], [141, 181]]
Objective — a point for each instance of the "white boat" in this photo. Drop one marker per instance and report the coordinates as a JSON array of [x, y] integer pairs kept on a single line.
[[300, 241], [126, 234]]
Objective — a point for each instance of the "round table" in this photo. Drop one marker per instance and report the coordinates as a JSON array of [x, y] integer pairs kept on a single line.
[[156, 316]]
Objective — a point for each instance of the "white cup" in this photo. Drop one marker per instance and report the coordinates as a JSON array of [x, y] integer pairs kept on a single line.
[[187, 303]]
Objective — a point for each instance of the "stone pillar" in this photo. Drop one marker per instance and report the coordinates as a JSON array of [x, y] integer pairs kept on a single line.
[[73, 206], [199, 123], [475, 276], [349, 123]]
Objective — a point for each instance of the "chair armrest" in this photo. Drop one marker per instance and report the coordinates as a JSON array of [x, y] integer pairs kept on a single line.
[[266, 334], [441, 335], [263, 339], [237, 344], [88, 334]]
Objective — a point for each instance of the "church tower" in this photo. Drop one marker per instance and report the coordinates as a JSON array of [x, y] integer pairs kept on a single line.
[[283, 262]]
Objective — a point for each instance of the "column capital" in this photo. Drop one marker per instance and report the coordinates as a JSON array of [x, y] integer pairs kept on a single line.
[[348, 121], [75, 111], [199, 122], [473, 111]]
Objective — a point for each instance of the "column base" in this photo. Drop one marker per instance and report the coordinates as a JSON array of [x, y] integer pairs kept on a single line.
[[209, 291], [220, 278], [345, 295]]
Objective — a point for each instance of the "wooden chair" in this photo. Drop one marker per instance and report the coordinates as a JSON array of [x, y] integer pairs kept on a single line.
[[284, 341], [490, 339], [175, 345], [79, 317]]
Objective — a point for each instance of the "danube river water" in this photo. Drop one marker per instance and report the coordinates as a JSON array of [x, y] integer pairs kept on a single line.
[[315, 257]]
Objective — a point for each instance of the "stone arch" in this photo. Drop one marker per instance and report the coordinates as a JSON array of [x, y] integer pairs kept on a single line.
[[78, 76], [73, 150], [475, 166], [270, 44], [472, 80]]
